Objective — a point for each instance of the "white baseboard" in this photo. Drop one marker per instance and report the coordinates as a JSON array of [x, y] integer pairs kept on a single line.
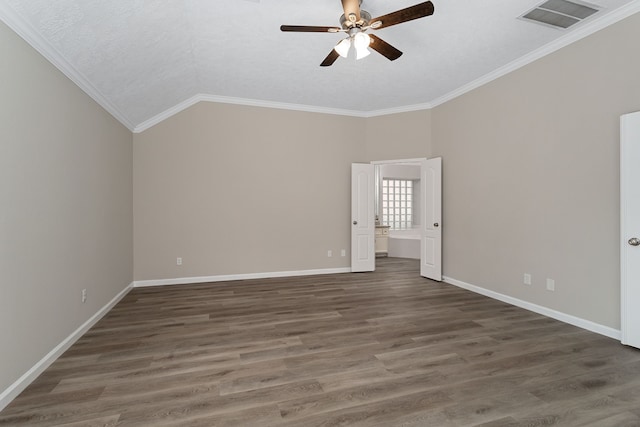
[[230, 277], [17, 387], [563, 317]]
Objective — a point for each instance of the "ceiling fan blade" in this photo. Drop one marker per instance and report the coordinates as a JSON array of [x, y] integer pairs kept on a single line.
[[330, 59], [309, 29], [384, 48], [351, 7], [403, 15]]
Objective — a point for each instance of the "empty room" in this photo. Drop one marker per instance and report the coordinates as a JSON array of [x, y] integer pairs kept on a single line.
[[319, 213]]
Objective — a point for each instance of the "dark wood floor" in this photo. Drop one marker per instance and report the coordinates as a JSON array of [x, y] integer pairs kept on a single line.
[[372, 349]]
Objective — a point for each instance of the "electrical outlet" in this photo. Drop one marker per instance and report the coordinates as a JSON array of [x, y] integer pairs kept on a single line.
[[527, 279], [178, 261], [84, 295], [343, 252], [329, 253], [551, 285]]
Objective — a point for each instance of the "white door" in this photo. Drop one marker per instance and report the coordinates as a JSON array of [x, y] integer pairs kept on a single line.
[[363, 225], [630, 227], [431, 219]]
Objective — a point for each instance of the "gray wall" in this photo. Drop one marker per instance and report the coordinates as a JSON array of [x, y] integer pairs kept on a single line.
[[234, 190], [398, 136], [65, 207], [531, 176]]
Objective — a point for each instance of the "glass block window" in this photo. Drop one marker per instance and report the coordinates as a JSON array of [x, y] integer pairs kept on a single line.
[[397, 203]]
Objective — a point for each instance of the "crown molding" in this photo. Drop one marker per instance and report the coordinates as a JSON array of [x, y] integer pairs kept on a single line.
[[578, 34], [202, 97], [283, 106], [269, 104], [14, 21], [166, 114], [396, 110]]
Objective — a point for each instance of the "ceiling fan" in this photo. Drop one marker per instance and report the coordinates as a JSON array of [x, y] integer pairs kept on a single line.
[[355, 22]]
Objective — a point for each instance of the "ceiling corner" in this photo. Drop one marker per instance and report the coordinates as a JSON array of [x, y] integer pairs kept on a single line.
[[14, 21]]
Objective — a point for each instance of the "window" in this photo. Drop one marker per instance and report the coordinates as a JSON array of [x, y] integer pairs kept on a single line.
[[397, 203]]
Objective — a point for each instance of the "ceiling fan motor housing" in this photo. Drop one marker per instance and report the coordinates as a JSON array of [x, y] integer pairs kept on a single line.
[[347, 24]]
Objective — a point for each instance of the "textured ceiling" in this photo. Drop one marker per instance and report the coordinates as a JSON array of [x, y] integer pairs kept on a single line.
[[142, 59]]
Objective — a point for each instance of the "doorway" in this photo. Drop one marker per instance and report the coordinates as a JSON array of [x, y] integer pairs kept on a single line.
[[397, 209], [399, 202]]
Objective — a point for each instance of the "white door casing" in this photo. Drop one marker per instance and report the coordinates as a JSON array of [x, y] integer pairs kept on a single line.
[[431, 219], [362, 218], [630, 228]]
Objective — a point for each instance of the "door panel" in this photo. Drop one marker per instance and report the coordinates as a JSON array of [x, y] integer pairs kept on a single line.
[[431, 219], [630, 228], [429, 251], [362, 218]]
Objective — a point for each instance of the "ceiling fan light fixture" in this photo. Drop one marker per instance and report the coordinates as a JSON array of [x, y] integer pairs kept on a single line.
[[343, 47], [361, 41], [362, 53]]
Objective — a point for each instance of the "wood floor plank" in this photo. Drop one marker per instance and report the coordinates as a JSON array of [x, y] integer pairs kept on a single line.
[[106, 421], [492, 407], [358, 395], [378, 412], [382, 349], [624, 419]]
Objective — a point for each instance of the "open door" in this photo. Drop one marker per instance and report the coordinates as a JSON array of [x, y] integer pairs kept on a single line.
[[363, 225], [630, 228], [431, 219]]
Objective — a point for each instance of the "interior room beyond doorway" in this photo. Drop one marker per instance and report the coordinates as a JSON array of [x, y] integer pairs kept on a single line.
[[397, 209]]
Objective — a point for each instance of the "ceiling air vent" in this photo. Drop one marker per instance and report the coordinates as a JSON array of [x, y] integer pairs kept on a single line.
[[560, 13]]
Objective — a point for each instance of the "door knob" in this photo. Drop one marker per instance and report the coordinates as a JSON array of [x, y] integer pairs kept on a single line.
[[436, 224], [634, 241], [355, 222]]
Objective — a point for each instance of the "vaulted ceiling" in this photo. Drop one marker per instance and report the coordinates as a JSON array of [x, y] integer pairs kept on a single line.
[[144, 60]]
